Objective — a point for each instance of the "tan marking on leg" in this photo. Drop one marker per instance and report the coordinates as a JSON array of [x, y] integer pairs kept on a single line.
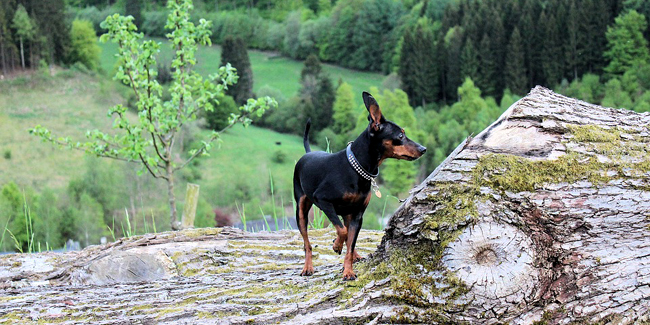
[[308, 269]]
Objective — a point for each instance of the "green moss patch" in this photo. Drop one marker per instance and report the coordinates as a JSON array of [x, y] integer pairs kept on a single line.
[[593, 133], [517, 174]]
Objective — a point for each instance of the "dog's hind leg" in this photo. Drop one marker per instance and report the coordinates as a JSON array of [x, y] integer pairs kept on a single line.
[[302, 219]]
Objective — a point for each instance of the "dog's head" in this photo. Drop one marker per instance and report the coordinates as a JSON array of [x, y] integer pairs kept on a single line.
[[394, 142]]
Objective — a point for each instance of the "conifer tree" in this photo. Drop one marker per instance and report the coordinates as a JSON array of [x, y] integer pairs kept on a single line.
[[515, 71], [552, 50], [469, 61], [573, 40], [488, 68], [316, 94], [53, 28], [594, 19], [234, 52], [419, 67]]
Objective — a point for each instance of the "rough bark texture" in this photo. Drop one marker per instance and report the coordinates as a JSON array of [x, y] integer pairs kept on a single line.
[[541, 217]]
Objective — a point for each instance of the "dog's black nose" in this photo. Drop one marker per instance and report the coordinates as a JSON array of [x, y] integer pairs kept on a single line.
[[422, 149]]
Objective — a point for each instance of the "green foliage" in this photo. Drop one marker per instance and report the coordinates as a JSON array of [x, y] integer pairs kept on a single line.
[[11, 213], [626, 46], [23, 24], [316, 95], [515, 69], [234, 53], [150, 139], [84, 48], [89, 220], [343, 110], [7, 154], [133, 8], [223, 109], [154, 22], [615, 96], [419, 67]]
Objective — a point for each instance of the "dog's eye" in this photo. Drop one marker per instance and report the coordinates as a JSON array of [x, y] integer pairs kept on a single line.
[[401, 136]]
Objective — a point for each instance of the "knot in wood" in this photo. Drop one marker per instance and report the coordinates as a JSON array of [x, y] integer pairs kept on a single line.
[[486, 256], [494, 259]]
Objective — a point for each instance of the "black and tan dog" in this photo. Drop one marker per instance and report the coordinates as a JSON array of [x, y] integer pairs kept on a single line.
[[339, 183]]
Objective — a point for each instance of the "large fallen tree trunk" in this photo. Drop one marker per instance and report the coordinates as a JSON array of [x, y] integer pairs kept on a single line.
[[541, 217]]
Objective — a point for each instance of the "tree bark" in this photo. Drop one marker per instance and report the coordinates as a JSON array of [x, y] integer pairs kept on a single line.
[[543, 216], [173, 215], [22, 54]]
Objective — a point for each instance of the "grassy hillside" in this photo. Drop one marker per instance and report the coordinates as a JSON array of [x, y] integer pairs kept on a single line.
[[69, 104], [268, 69]]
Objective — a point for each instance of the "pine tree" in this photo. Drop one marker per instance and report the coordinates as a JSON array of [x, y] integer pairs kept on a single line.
[[594, 19], [454, 49], [316, 94], [573, 40], [53, 28], [419, 67], [626, 46], [488, 69], [515, 71], [469, 61], [134, 8], [552, 50], [234, 51]]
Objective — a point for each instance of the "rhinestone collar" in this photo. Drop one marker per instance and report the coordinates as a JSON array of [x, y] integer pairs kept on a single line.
[[356, 166]]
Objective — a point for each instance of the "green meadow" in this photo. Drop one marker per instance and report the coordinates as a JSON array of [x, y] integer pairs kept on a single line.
[[237, 172], [269, 69]]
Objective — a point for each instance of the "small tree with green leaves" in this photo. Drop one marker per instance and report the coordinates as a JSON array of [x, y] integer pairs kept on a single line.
[[84, 44], [25, 29], [149, 139]]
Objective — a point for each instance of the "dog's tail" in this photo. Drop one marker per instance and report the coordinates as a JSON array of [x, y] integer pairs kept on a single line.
[[306, 137]]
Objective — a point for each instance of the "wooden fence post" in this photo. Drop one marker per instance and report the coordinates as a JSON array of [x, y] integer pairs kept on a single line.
[[191, 201]]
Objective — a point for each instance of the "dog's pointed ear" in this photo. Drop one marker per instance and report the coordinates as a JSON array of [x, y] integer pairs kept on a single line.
[[373, 108]]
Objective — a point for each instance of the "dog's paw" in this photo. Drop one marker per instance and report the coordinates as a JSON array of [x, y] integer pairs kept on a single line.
[[307, 271], [357, 258], [337, 247], [349, 276]]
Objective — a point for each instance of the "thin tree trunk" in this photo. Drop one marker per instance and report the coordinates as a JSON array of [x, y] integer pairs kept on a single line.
[[22, 54], [173, 219]]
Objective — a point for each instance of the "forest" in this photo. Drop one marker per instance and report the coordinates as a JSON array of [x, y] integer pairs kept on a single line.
[[448, 68]]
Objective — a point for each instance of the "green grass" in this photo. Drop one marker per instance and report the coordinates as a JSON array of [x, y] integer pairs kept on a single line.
[[237, 169], [279, 72]]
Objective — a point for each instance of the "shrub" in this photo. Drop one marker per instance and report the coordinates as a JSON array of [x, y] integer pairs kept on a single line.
[[279, 156], [218, 118], [164, 73], [95, 16], [84, 48], [154, 23], [7, 154]]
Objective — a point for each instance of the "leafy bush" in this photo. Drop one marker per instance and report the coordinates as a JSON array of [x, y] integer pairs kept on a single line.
[[7, 154], [218, 118], [95, 16], [84, 48], [154, 23], [279, 156]]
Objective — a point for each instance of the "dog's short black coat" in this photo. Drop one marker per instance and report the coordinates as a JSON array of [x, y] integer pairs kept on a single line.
[[329, 181]]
